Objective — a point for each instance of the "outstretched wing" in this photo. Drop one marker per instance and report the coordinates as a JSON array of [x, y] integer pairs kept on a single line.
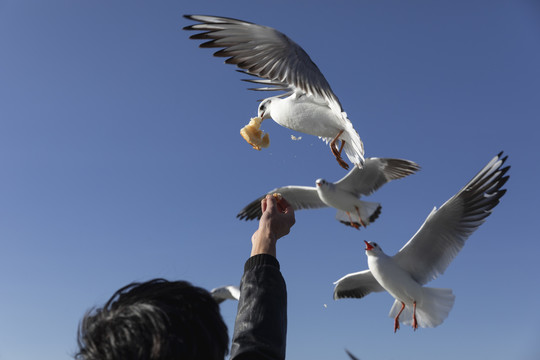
[[263, 52], [351, 355], [223, 293], [356, 285], [300, 197], [429, 252], [375, 173]]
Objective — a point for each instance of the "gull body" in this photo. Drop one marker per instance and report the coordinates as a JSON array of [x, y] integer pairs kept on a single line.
[[392, 278], [430, 306], [308, 104], [350, 208], [343, 195], [297, 112], [428, 253]]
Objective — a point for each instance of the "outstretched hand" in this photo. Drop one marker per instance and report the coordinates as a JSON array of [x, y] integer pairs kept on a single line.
[[276, 221]]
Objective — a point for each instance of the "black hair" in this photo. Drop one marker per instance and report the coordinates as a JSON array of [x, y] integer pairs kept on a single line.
[[154, 320]]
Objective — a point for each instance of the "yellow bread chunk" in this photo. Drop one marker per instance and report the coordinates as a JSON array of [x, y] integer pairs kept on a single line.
[[253, 135], [278, 196]]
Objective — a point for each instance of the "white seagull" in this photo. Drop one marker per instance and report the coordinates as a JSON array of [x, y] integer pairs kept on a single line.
[[228, 292], [308, 105], [343, 195], [428, 253]]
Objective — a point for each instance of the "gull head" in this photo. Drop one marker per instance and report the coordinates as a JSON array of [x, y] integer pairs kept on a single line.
[[372, 248], [323, 185], [264, 109]]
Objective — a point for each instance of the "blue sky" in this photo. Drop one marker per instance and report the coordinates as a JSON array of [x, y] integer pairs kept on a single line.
[[121, 160]]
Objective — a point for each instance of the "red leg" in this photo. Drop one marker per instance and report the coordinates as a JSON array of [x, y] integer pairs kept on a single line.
[[396, 320], [414, 322], [341, 147], [359, 217], [353, 224], [336, 152]]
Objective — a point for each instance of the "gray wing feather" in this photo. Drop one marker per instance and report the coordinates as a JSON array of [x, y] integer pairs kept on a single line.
[[429, 252], [263, 52], [375, 173], [223, 293], [300, 197], [356, 285]]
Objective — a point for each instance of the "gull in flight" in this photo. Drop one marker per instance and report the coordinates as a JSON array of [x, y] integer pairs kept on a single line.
[[343, 195], [228, 292], [308, 105], [428, 253]]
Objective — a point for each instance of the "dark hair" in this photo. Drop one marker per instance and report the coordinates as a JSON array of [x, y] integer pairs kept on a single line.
[[154, 320]]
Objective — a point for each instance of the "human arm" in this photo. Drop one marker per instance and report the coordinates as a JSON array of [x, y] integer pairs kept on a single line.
[[260, 329]]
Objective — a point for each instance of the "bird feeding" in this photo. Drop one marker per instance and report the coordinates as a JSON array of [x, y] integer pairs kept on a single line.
[[253, 134], [307, 105], [343, 195]]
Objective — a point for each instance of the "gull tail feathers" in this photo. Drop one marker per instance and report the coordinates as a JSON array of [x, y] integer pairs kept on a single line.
[[354, 147], [430, 312], [369, 212]]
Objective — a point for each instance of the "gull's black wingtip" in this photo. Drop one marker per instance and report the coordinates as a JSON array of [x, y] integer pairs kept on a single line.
[[351, 355], [188, 27]]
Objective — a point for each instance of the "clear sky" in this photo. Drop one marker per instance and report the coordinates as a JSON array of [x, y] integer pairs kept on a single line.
[[121, 160]]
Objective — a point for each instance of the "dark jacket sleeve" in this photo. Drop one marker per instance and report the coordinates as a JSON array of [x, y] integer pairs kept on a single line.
[[260, 330]]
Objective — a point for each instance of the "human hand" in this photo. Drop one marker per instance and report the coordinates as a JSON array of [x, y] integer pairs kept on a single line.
[[276, 221]]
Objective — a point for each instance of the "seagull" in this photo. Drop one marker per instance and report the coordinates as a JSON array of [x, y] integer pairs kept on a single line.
[[343, 195], [222, 293], [308, 105], [428, 253]]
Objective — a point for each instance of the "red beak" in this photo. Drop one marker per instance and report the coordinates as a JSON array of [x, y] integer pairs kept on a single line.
[[368, 246]]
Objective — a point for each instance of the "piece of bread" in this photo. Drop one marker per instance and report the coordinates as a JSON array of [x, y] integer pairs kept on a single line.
[[253, 135]]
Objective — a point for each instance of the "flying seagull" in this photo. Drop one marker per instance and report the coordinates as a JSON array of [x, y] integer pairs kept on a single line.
[[343, 195], [228, 292], [308, 105], [428, 253]]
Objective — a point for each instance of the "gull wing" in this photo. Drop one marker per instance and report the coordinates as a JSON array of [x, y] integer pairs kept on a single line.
[[351, 355], [300, 197], [429, 252], [263, 52], [223, 293], [375, 173], [356, 285]]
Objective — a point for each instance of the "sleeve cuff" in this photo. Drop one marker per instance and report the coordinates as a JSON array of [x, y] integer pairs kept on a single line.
[[261, 259]]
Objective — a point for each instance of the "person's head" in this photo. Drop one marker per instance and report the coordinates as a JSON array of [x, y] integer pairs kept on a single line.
[[154, 320]]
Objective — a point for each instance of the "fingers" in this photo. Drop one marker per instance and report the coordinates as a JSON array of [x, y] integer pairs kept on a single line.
[[268, 202], [263, 204], [273, 202], [276, 220], [284, 206]]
